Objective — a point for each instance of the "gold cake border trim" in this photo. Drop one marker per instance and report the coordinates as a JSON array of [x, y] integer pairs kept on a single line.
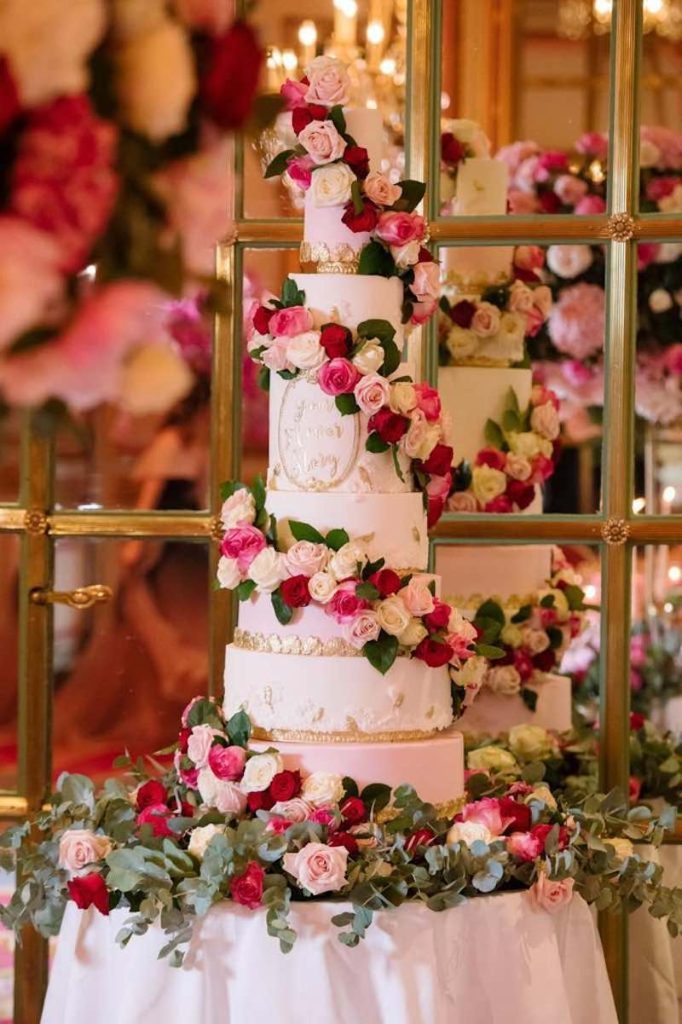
[[306, 646], [336, 259], [310, 736]]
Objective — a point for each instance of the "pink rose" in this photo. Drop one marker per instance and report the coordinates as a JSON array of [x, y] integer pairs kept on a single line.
[[338, 377], [423, 311], [363, 628], [318, 867], [400, 228], [79, 847], [486, 811], [417, 597], [486, 320], [544, 421], [460, 643], [305, 558], [578, 321], [462, 501], [551, 895], [426, 284], [345, 605], [329, 82], [322, 141], [672, 359], [227, 762], [380, 190], [576, 373], [428, 401], [300, 170], [593, 144], [199, 744], [242, 543], [590, 205], [521, 202], [293, 94], [372, 393], [295, 810], [524, 846], [275, 356], [324, 816], [529, 257], [570, 189], [535, 318], [226, 796], [659, 188], [292, 320]]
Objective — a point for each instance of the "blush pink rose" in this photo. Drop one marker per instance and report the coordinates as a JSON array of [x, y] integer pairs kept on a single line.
[[275, 356], [551, 895], [363, 628], [242, 543], [372, 393], [400, 228], [417, 597], [590, 205], [426, 284], [79, 847], [462, 501], [345, 605], [322, 141], [199, 744], [300, 170], [593, 144], [380, 190], [338, 377], [570, 189], [529, 257], [292, 320], [428, 401], [524, 846], [328, 82], [318, 867], [227, 762], [423, 311], [293, 94], [486, 811]]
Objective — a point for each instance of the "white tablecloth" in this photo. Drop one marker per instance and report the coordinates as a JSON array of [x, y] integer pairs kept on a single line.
[[494, 960]]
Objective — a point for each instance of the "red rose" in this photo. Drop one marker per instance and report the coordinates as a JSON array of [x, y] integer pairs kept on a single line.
[[336, 340], [389, 425], [499, 504], [9, 97], [523, 665], [435, 509], [553, 160], [492, 457], [519, 813], [634, 788], [462, 313], [439, 617], [247, 888], [545, 661], [183, 739], [229, 85], [262, 318], [439, 461], [157, 816], [302, 116], [637, 720], [549, 202], [425, 256], [89, 891], [542, 831], [451, 149], [386, 581], [434, 652], [366, 220], [152, 792], [260, 801], [420, 837], [343, 839], [295, 591], [520, 493], [285, 785], [357, 159], [353, 810]]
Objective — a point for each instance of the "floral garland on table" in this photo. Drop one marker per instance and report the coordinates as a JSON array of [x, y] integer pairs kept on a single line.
[[327, 160], [226, 823], [522, 453], [357, 370], [383, 613]]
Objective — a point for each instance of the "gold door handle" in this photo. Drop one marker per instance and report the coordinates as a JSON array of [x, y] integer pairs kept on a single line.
[[81, 598]]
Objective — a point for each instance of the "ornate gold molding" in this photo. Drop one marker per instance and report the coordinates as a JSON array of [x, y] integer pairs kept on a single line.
[[216, 529], [621, 227], [36, 522], [318, 257], [615, 531]]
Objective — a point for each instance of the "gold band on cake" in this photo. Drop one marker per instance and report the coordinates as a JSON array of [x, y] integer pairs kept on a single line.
[[320, 258], [347, 736], [313, 646]]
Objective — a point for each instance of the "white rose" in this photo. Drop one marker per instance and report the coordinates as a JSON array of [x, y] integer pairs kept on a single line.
[[512, 328], [535, 640], [531, 742], [344, 562], [521, 298], [295, 810], [331, 185], [494, 759], [527, 444], [156, 81], [393, 616], [487, 483], [363, 628], [267, 570], [225, 796], [660, 301], [469, 832], [517, 467], [503, 679], [304, 350], [306, 558], [621, 845], [511, 635], [461, 343], [402, 398], [413, 634], [371, 393], [200, 837], [229, 573], [673, 202], [260, 770], [369, 358], [406, 255], [322, 789], [544, 420], [486, 320], [569, 260], [153, 379], [239, 508], [322, 587]]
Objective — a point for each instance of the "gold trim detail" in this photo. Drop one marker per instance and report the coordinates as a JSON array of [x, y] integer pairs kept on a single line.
[[352, 736], [36, 522], [621, 227], [80, 599], [216, 529], [324, 259], [309, 646], [615, 531]]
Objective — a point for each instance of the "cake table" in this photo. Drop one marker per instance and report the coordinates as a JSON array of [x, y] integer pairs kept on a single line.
[[492, 960]]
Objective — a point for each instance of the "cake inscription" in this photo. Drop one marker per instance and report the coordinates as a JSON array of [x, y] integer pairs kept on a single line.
[[317, 445]]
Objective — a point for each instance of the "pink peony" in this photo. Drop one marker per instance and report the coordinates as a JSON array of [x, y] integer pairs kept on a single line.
[[590, 205], [227, 762], [317, 867], [338, 377], [428, 401], [524, 846], [577, 321], [291, 320], [322, 141], [551, 895], [243, 543], [300, 170], [345, 605], [400, 228]]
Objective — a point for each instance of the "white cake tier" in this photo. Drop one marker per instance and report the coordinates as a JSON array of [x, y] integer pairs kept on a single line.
[[434, 767], [474, 268], [481, 191], [393, 526], [471, 575], [352, 298], [472, 395], [296, 697], [495, 712], [313, 447]]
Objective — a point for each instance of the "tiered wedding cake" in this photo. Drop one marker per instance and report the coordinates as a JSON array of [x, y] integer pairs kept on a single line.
[[343, 649]]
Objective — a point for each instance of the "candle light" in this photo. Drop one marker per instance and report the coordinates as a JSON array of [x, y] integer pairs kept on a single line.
[[345, 22], [307, 37], [289, 60], [375, 39], [273, 64]]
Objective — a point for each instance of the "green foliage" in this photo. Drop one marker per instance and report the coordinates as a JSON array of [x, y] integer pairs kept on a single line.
[[493, 434], [381, 653], [376, 260], [346, 404], [375, 444], [291, 293], [336, 539], [278, 164], [412, 195], [303, 531], [283, 611]]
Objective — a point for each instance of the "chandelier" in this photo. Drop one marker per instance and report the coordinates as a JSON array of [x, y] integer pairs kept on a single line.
[[581, 18]]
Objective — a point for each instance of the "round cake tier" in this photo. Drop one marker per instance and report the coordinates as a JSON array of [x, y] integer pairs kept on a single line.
[[494, 713], [336, 699], [392, 526], [472, 395], [471, 575], [352, 298], [312, 447], [434, 767]]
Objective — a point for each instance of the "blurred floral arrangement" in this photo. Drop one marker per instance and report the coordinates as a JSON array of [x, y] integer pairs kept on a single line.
[[571, 345], [114, 128]]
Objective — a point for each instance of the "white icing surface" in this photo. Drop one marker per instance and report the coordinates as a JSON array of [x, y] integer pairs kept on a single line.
[[280, 691], [494, 713], [489, 571], [393, 525], [352, 298]]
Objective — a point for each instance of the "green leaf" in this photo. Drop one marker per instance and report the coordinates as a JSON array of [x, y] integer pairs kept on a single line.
[[291, 293], [491, 610], [245, 589], [239, 728], [511, 421], [76, 789], [278, 164], [391, 358], [379, 330], [356, 196], [489, 651], [373, 567], [556, 637], [264, 378], [512, 398], [529, 697], [350, 786], [336, 116], [494, 435], [228, 488], [523, 614], [258, 491], [575, 597], [204, 712], [376, 444], [303, 531], [412, 195], [377, 794], [376, 260], [396, 463], [547, 601], [283, 611], [335, 539], [367, 591], [346, 404], [381, 653]]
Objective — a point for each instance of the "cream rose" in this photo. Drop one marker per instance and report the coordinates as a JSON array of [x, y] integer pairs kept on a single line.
[[531, 742], [260, 770], [403, 398], [306, 558], [328, 82], [200, 837], [511, 634], [322, 587], [503, 679], [472, 674], [417, 597], [304, 350], [487, 483], [520, 298], [544, 420], [535, 640], [517, 466], [421, 437], [79, 847], [491, 759], [393, 616], [225, 796], [371, 393], [469, 832], [525, 443], [317, 867], [461, 343], [238, 509], [331, 185], [295, 810], [344, 562], [380, 190], [406, 255], [414, 634], [542, 299], [512, 329], [267, 570], [369, 358], [229, 574], [322, 141], [621, 845], [462, 501], [322, 789], [486, 320], [363, 628]]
